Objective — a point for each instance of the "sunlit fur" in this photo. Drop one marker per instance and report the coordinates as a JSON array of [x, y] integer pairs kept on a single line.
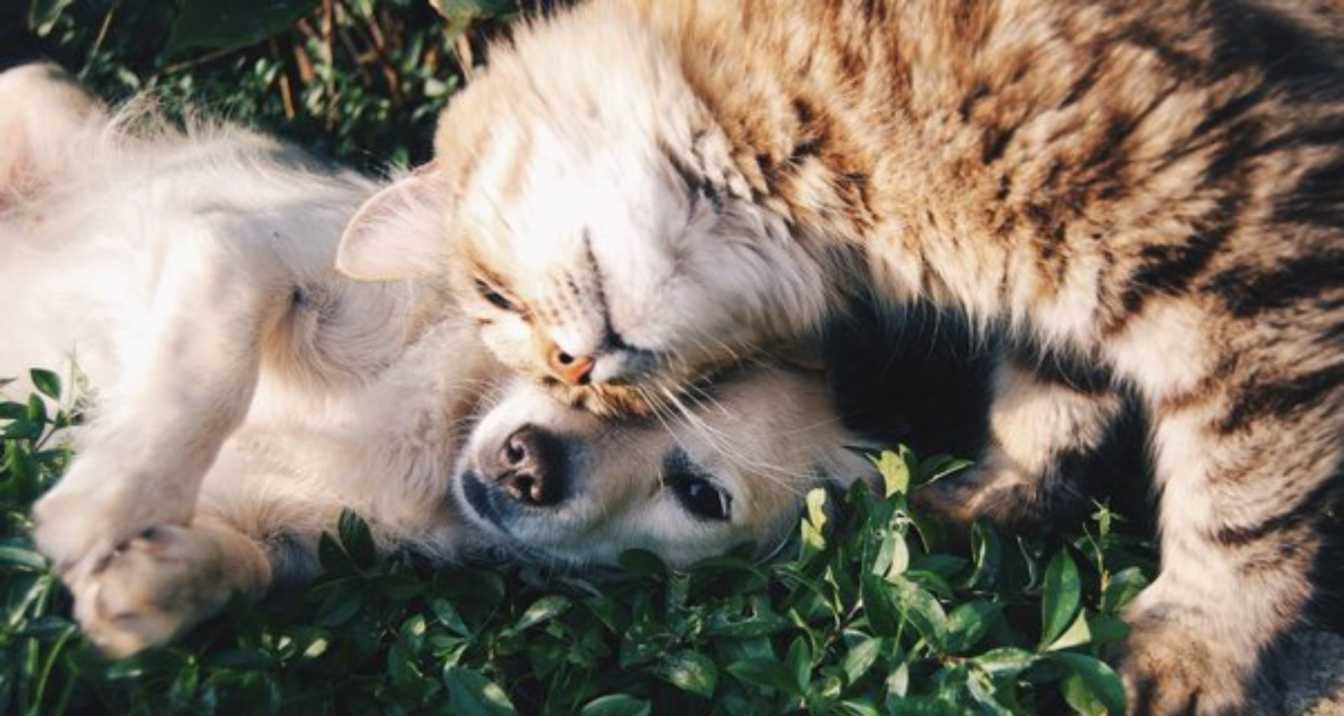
[[1149, 188], [242, 393]]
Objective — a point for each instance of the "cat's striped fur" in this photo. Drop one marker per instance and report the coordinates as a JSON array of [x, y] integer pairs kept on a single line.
[[1152, 187]]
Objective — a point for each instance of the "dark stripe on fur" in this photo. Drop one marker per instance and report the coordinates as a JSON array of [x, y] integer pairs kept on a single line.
[[1247, 292], [1169, 269], [1306, 509], [1283, 398], [1248, 36], [1318, 198]]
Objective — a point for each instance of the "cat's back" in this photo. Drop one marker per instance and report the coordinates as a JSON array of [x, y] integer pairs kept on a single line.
[[1090, 146]]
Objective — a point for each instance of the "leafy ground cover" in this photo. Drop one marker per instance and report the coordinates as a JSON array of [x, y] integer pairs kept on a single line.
[[877, 610]]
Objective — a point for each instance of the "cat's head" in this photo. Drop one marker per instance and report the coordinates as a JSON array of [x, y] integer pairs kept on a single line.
[[590, 220], [540, 481]]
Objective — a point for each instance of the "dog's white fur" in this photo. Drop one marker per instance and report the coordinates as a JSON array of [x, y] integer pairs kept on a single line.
[[244, 393]]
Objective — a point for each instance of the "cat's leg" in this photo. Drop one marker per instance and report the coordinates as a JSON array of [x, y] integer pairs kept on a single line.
[[187, 382], [1043, 422], [166, 580], [1247, 415], [1248, 470]]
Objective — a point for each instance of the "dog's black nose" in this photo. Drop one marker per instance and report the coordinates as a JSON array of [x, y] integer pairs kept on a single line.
[[530, 467]]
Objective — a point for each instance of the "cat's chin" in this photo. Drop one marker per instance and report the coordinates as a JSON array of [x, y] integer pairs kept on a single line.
[[647, 396], [605, 401]]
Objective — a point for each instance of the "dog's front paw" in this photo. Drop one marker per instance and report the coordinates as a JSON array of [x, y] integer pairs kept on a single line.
[[70, 529], [1169, 669], [155, 586], [99, 504]]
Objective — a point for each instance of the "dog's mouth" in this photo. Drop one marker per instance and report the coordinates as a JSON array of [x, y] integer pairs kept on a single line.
[[481, 505]]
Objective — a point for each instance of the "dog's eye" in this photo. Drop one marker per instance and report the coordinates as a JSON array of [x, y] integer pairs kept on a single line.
[[701, 497], [496, 299]]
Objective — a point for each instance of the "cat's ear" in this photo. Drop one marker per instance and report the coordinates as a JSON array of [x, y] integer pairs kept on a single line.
[[399, 233], [41, 109]]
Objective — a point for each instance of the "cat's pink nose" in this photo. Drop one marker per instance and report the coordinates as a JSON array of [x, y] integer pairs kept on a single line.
[[575, 370]]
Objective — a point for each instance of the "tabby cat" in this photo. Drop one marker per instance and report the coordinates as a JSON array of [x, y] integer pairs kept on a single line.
[[644, 191]]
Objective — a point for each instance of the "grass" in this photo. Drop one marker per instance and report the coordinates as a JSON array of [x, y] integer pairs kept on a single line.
[[876, 611]]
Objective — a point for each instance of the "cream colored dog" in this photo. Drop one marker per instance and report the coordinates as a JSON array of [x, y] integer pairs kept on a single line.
[[244, 392]]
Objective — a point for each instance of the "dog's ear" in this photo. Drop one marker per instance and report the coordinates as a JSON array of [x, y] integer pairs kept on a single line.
[[41, 109], [400, 232]]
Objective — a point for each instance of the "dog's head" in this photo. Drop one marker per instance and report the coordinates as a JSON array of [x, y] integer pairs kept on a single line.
[[556, 484]]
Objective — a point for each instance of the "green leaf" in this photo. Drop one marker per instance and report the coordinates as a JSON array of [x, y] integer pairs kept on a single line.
[[895, 473], [922, 610], [816, 508], [884, 616], [642, 562], [940, 466], [893, 556], [689, 671], [413, 632], [46, 382], [1100, 682], [765, 673], [447, 615], [1061, 597], [242, 659], [968, 623], [10, 410], [616, 705], [185, 683], [1106, 628], [1005, 661], [1077, 634], [37, 412], [471, 694], [230, 24], [860, 658], [799, 660], [331, 555], [356, 539], [542, 610], [42, 15], [339, 606], [459, 14], [20, 557], [1122, 587], [987, 550], [898, 681], [858, 707], [981, 688], [1079, 697]]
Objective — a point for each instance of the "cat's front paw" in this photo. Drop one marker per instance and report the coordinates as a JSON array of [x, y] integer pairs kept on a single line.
[[1171, 669], [1005, 495], [155, 586]]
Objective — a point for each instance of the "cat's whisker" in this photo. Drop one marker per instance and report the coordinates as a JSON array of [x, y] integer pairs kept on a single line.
[[726, 448]]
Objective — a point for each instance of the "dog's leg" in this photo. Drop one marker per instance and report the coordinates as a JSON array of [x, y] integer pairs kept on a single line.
[[187, 382]]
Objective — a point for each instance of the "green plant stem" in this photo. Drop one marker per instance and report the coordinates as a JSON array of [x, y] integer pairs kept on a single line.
[[33, 708]]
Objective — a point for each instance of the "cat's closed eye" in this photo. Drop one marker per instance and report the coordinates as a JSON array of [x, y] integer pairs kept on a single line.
[[494, 297]]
